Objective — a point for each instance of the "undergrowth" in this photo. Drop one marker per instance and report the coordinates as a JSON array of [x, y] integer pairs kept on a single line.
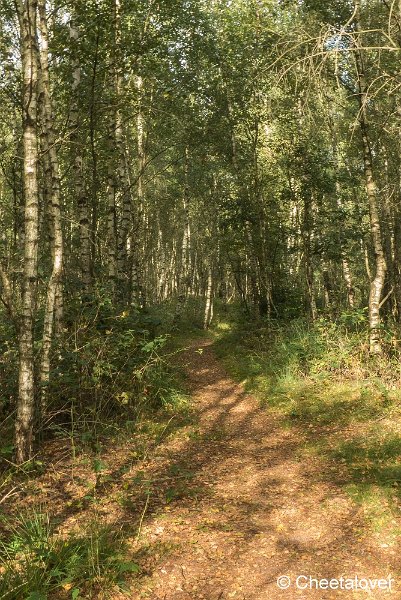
[[108, 369], [113, 385], [36, 564]]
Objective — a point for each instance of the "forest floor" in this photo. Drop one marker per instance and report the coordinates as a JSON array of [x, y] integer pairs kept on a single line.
[[260, 508], [226, 501]]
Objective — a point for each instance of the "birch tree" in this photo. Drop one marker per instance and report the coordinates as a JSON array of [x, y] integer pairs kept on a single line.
[[27, 16], [377, 283], [54, 297]]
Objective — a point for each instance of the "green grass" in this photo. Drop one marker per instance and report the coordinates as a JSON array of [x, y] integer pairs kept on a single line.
[[36, 563], [308, 374]]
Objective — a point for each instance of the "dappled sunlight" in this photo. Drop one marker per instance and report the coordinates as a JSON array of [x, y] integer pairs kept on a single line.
[[262, 512], [222, 499]]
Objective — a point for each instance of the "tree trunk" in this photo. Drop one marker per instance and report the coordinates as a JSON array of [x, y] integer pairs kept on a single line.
[[397, 208], [376, 286], [388, 233], [209, 300], [54, 295], [26, 385], [124, 200], [136, 280], [184, 277], [113, 162], [344, 259], [327, 287], [309, 272], [80, 191], [348, 282]]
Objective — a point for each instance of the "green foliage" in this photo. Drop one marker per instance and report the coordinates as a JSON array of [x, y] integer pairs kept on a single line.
[[36, 563], [109, 366], [300, 370], [327, 349], [8, 365]]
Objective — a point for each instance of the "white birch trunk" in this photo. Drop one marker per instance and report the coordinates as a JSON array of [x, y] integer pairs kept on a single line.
[[377, 283], [26, 386], [209, 300], [54, 290], [81, 196]]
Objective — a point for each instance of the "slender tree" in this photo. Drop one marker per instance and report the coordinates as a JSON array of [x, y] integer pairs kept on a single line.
[[27, 15]]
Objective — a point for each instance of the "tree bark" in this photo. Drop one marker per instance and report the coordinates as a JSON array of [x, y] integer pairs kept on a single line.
[[184, 277], [307, 247], [397, 231], [80, 192], [112, 175], [397, 208], [346, 270], [376, 286], [209, 299], [26, 385], [137, 292], [53, 306]]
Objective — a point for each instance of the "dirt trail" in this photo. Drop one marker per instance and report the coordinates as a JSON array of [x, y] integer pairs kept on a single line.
[[255, 509]]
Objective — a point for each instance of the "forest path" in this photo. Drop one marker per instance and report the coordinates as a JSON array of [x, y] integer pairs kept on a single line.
[[249, 507]]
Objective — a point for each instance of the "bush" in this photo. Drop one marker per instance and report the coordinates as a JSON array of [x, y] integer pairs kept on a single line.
[[107, 366]]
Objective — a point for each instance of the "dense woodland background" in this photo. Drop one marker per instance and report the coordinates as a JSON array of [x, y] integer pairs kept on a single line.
[[157, 152], [164, 161]]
